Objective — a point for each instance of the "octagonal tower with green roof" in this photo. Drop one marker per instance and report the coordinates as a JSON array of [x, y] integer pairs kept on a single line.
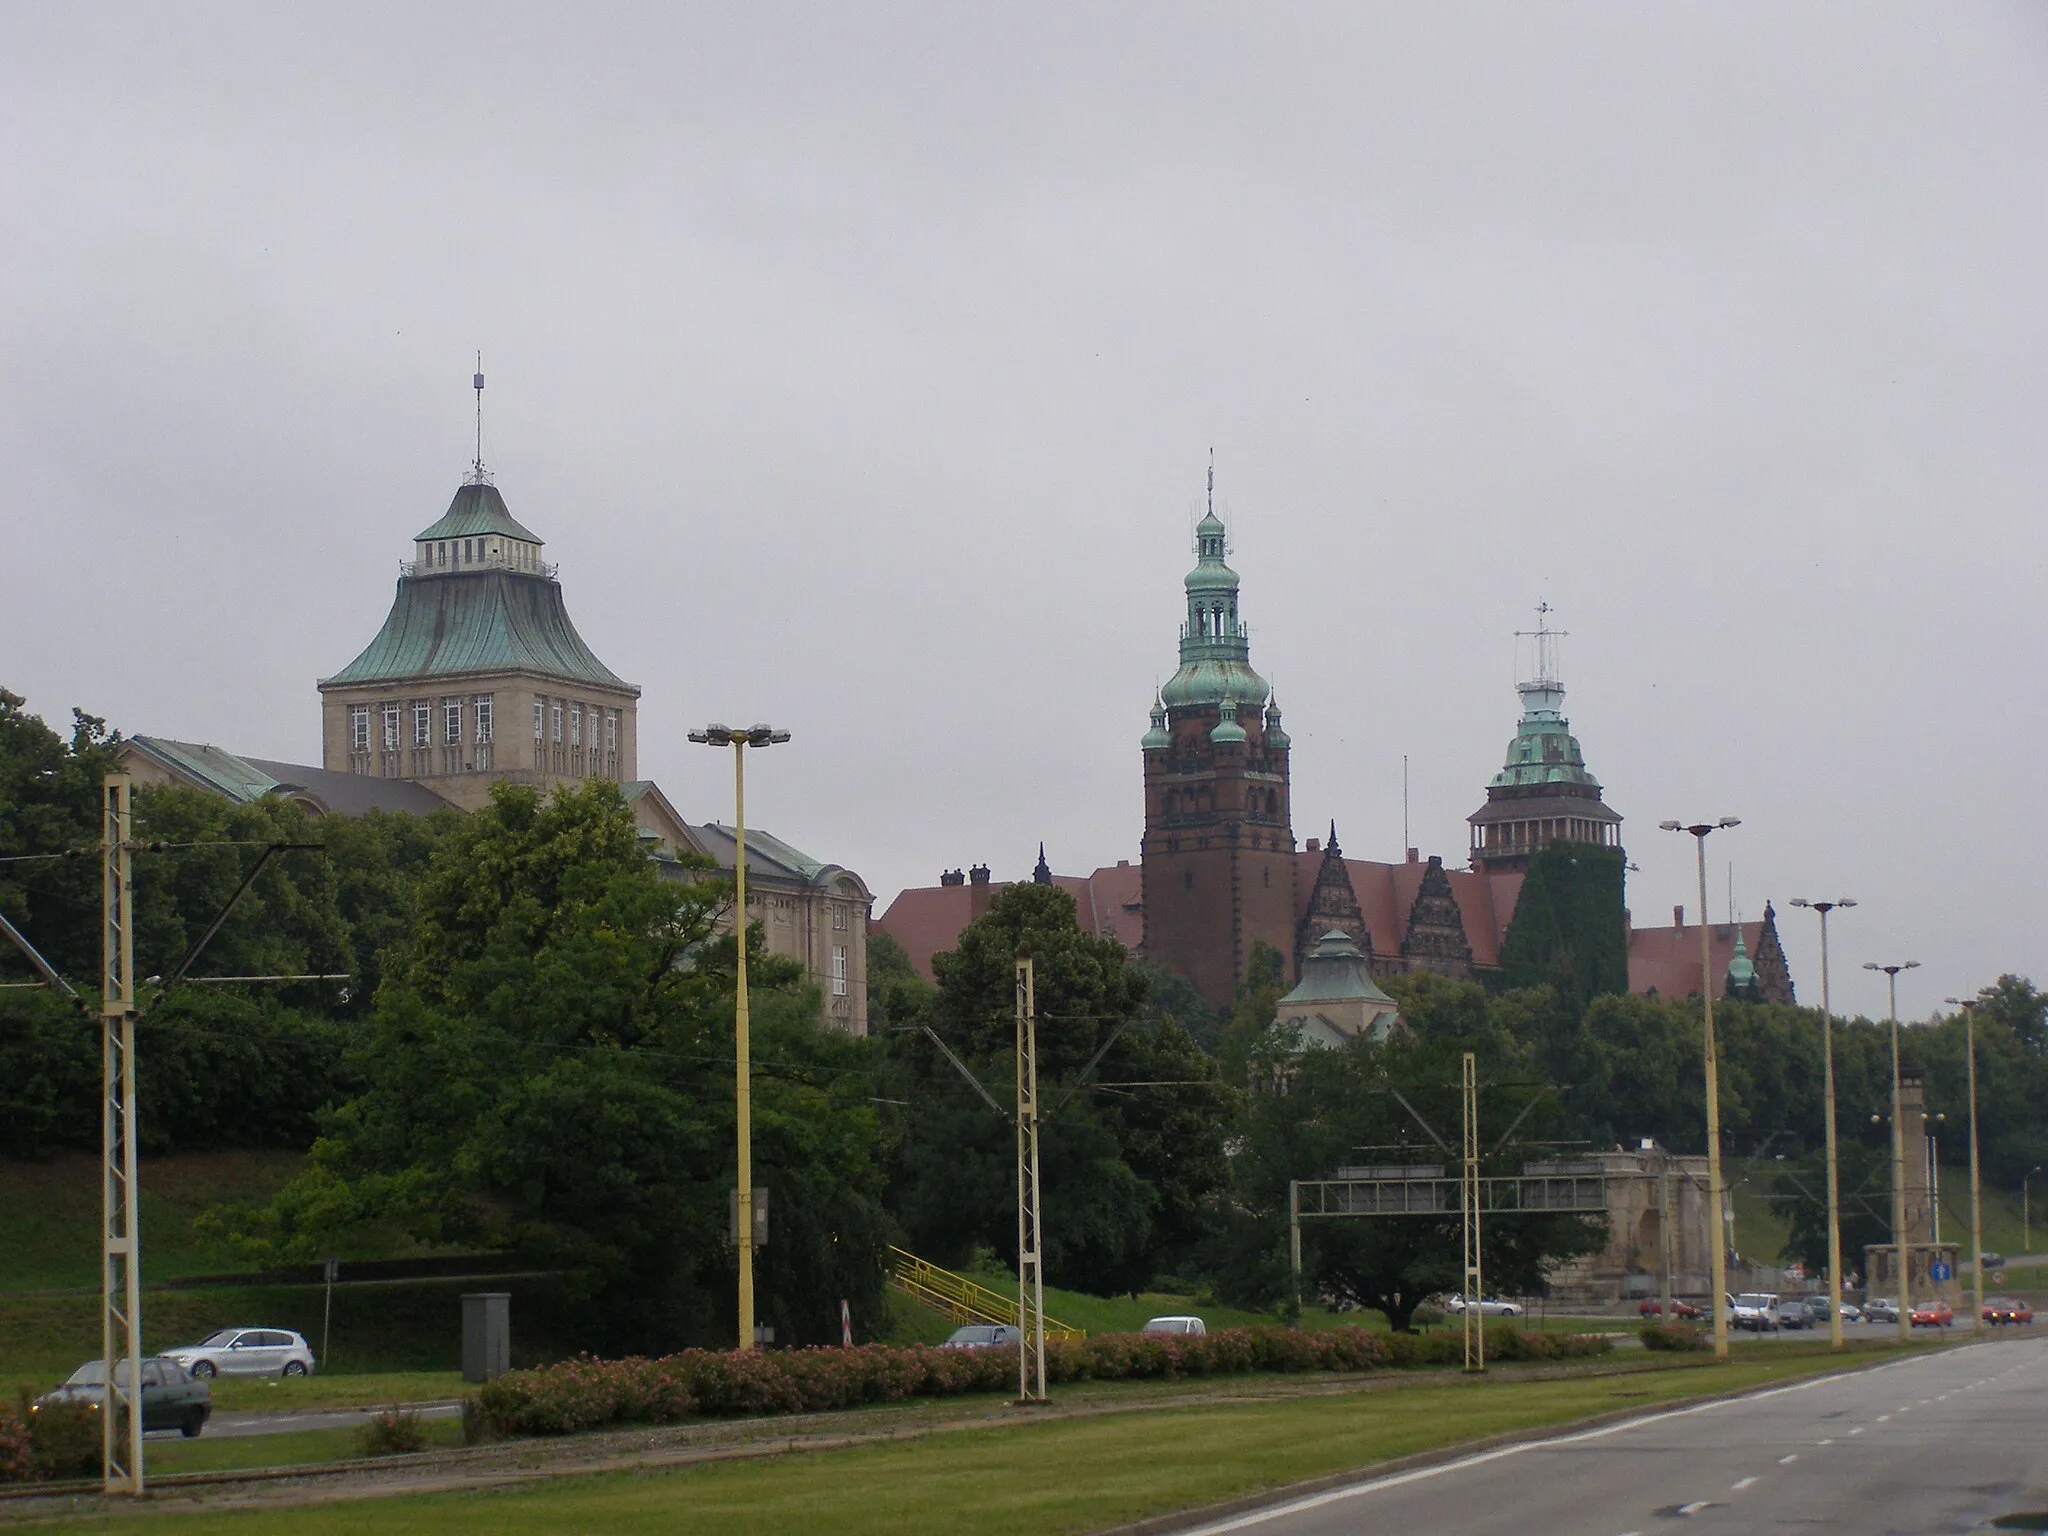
[[1218, 854], [1544, 792], [478, 674]]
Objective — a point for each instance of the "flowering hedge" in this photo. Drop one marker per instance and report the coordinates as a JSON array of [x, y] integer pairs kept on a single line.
[[587, 1393], [17, 1448]]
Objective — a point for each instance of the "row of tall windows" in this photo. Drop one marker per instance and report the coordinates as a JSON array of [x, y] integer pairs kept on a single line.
[[457, 554], [574, 738], [464, 744]]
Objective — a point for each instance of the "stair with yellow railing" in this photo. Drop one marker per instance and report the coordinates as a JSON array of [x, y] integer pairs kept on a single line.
[[959, 1297]]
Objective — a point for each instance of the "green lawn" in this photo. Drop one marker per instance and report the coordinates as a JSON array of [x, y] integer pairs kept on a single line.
[[50, 1214], [368, 1390], [995, 1482], [224, 1453]]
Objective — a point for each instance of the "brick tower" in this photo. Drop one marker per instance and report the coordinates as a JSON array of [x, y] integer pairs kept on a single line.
[[1218, 855]]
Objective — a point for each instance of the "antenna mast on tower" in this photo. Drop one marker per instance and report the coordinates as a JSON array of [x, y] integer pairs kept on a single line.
[[1546, 640], [477, 474]]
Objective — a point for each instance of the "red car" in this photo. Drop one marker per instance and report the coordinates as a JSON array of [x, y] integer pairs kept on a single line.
[[1932, 1314], [2001, 1311], [1678, 1309]]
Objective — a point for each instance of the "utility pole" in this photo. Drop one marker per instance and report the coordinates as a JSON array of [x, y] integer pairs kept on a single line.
[[120, 1237], [1827, 1051], [1030, 1258], [1970, 1007], [716, 735], [1899, 1233], [1474, 1319], [1716, 1193], [1664, 1233]]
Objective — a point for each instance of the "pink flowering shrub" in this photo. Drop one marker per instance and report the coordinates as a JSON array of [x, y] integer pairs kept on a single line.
[[586, 1393], [17, 1448]]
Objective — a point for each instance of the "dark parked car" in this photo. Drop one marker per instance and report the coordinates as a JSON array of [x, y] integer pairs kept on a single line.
[[171, 1398], [1794, 1313]]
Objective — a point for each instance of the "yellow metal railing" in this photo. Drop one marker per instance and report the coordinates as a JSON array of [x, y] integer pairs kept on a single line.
[[959, 1297]]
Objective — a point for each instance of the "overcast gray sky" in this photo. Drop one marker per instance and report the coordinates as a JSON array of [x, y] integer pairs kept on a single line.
[[860, 366]]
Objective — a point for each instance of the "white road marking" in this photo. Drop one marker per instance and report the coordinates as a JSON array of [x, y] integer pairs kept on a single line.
[[1824, 1442], [1420, 1474], [1882, 1418], [1786, 1461], [1693, 1508], [1857, 1430], [1738, 1487]]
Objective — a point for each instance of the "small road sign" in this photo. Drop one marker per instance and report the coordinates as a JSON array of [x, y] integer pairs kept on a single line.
[[1940, 1270]]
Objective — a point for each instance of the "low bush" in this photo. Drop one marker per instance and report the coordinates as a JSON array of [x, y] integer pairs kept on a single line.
[[587, 1393], [65, 1438], [1678, 1337], [17, 1448], [394, 1432]]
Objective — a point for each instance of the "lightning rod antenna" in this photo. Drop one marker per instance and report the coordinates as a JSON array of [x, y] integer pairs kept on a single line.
[[477, 383]]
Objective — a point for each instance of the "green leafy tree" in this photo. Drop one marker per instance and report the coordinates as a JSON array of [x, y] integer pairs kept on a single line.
[[1864, 1179], [1131, 1151], [548, 1069]]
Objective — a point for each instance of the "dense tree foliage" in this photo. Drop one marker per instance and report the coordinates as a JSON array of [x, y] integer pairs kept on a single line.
[[547, 1068], [1131, 1150], [1569, 932]]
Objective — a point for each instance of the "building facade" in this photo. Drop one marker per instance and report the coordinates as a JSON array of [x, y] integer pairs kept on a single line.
[[478, 675], [1218, 856]]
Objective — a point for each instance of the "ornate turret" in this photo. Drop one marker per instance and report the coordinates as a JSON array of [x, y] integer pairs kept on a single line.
[[1218, 850], [1543, 793]]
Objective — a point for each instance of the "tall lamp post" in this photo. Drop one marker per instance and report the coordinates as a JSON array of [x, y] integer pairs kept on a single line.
[[1970, 1005], [1715, 1193], [1827, 1056], [755, 736], [1899, 1235]]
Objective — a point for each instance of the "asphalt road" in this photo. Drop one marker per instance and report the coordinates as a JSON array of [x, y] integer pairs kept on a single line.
[[1937, 1444]]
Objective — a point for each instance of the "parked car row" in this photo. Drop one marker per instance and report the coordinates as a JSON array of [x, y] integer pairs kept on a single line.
[[177, 1390]]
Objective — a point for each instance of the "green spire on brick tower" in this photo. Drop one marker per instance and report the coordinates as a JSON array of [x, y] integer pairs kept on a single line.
[[1215, 649]]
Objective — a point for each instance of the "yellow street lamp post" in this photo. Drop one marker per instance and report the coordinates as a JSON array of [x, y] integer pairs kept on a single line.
[[2026, 1209], [1899, 1234], [1970, 1005], [1827, 1055], [739, 741], [1715, 1194]]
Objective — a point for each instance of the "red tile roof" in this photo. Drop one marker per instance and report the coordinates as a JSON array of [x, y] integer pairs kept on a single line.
[[1667, 960], [928, 918]]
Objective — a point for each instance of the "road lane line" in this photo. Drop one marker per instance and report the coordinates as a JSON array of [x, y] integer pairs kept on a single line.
[[1786, 1461], [1738, 1487], [1695, 1507]]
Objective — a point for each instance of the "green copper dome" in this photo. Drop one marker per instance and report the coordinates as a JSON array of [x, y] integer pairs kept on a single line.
[[1741, 973], [1544, 750], [1215, 649], [1158, 737], [1227, 730]]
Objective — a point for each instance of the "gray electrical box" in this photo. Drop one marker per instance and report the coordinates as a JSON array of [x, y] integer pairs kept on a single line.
[[486, 1335]]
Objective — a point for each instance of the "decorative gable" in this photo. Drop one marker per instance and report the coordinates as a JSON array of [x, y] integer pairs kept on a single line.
[[1435, 939], [1332, 904]]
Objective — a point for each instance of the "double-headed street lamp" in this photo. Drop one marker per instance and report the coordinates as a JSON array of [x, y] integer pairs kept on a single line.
[[1970, 1005], [1715, 1194], [1827, 1053], [1891, 976], [754, 736]]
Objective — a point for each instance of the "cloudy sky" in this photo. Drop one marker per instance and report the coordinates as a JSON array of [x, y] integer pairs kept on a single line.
[[861, 364]]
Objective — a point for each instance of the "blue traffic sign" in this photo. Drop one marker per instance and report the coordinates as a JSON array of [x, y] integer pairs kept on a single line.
[[1940, 1270]]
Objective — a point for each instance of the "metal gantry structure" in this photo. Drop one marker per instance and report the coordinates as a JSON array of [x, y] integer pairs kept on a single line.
[[1472, 1319], [1541, 1188], [1030, 1235], [120, 1236]]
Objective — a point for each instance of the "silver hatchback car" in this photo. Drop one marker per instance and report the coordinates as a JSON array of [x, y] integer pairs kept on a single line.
[[246, 1352]]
